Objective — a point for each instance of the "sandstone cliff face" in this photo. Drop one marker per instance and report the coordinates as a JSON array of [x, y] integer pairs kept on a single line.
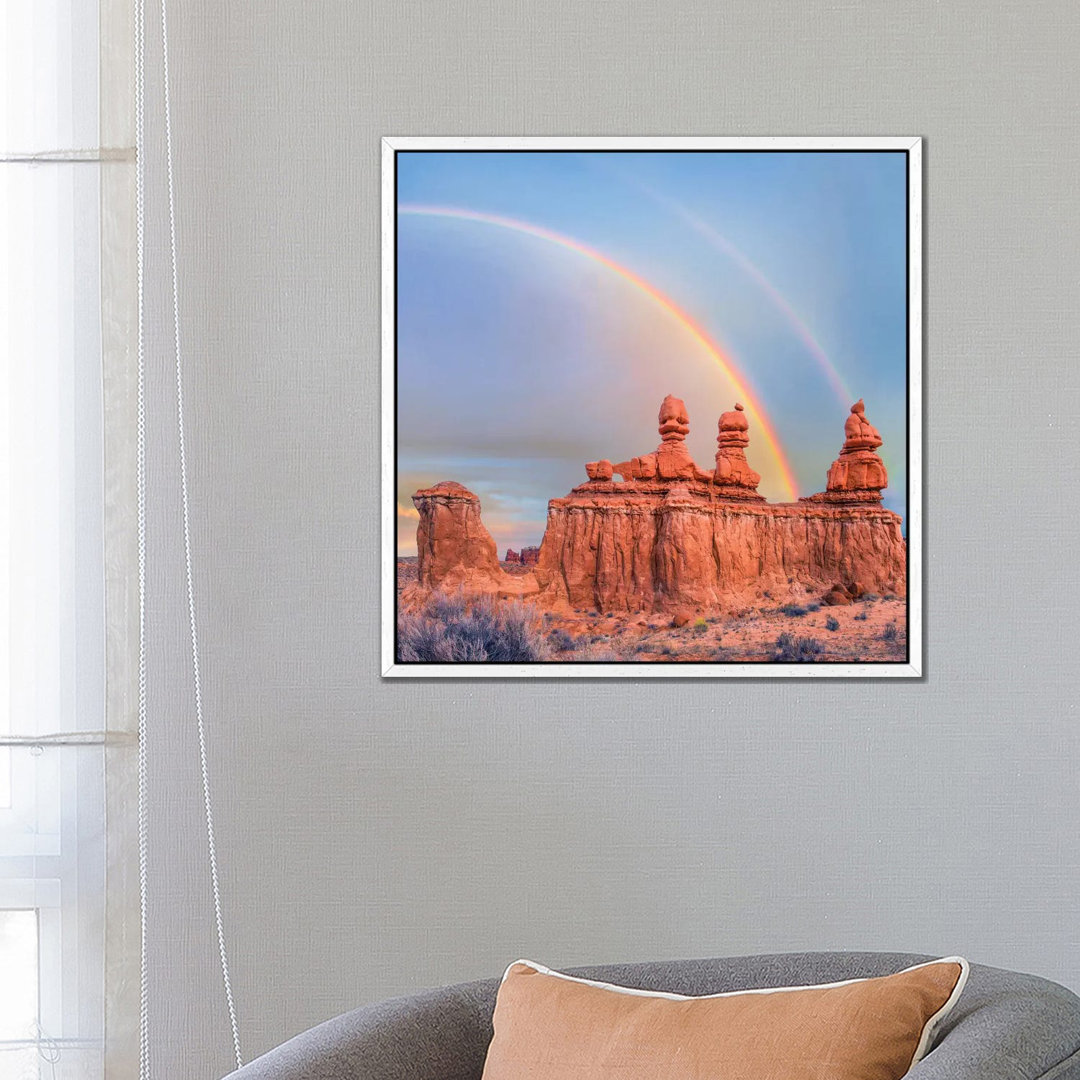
[[611, 549], [671, 536]]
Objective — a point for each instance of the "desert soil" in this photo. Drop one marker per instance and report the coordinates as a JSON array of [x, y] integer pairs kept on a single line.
[[868, 630]]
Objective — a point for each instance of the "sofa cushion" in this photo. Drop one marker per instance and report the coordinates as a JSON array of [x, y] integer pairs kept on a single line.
[[551, 1026]]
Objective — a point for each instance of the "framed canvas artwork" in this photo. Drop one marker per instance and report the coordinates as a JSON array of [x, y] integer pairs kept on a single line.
[[652, 407]]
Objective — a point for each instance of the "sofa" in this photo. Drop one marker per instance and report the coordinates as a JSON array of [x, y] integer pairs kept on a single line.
[[1006, 1026]]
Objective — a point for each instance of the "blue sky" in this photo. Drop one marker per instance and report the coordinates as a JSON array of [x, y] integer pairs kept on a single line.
[[520, 359]]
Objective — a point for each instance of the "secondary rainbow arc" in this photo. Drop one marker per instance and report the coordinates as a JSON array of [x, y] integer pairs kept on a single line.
[[755, 273], [755, 413]]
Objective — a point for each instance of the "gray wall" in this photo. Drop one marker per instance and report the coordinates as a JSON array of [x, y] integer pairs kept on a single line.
[[379, 837]]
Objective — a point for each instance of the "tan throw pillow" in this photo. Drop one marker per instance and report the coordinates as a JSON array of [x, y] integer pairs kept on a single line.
[[550, 1026]]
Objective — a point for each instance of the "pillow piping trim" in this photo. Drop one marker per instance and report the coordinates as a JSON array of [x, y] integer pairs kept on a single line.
[[926, 1036], [931, 1025]]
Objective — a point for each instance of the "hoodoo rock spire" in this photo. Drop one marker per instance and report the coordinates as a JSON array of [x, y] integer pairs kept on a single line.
[[733, 474], [858, 474]]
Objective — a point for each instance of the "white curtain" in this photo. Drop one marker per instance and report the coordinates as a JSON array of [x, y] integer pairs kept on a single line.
[[59, 246]]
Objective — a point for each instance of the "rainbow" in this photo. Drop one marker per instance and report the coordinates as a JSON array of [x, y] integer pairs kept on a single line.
[[754, 412], [802, 331]]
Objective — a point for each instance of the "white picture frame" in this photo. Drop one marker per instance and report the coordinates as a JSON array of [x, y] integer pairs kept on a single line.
[[913, 668]]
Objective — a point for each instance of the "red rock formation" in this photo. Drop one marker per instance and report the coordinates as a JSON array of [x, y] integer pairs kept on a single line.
[[842, 594], [673, 547], [527, 556], [670, 461], [733, 476], [453, 548], [671, 537], [858, 474]]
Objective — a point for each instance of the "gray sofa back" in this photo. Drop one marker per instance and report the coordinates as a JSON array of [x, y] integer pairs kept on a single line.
[[1006, 1026]]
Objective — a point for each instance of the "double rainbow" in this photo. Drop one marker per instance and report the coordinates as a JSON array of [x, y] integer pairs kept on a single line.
[[755, 413]]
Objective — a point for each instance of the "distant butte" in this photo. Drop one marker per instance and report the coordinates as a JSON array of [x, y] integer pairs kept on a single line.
[[670, 535], [527, 556]]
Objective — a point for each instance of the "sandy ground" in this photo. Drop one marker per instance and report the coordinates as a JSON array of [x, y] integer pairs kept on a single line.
[[749, 636], [871, 629]]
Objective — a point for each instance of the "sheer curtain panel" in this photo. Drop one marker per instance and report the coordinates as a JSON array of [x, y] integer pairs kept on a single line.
[[66, 743]]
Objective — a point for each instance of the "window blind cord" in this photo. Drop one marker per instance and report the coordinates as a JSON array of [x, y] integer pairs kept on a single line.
[[140, 456], [193, 622]]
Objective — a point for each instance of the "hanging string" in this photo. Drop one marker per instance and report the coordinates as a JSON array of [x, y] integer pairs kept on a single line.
[[140, 472], [143, 815], [207, 802]]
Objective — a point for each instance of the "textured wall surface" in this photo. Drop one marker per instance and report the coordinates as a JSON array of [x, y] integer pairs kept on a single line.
[[379, 837]]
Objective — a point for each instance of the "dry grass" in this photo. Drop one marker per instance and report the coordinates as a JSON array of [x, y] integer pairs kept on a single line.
[[451, 630]]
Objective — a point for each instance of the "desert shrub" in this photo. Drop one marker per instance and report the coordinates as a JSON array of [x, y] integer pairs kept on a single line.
[[603, 655], [889, 633], [889, 596], [596, 638], [667, 650], [869, 598], [561, 641], [861, 617], [793, 610], [815, 606], [700, 626], [832, 624], [793, 650], [452, 629]]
